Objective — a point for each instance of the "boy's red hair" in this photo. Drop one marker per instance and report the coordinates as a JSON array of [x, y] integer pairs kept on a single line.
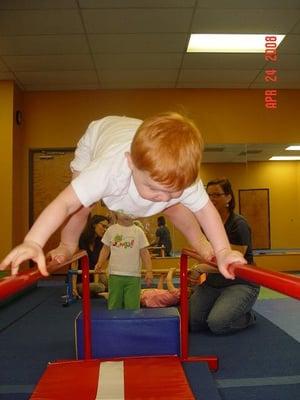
[[169, 147]]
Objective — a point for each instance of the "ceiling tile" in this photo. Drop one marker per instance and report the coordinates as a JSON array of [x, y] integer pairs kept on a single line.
[[137, 85], [253, 4], [139, 76], [137, 20], [61, 86], [290, 45], [3, 66], [215, 76], [6, 76], [211, 85], [69, 62], [138, 43], [36, 4], [42, 45], [285, 61], [244, 21], [138, 60], [57, 77], [136, 3], [221, 60], [37, 22]]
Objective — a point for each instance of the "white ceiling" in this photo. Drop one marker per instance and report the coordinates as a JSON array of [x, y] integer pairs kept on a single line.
[[123, 44]]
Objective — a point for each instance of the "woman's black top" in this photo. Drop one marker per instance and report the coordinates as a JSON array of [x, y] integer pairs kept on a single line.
[[238, 233]]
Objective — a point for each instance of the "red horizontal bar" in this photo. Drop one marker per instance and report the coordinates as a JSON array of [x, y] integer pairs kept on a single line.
[[11, 285], [278, 281]]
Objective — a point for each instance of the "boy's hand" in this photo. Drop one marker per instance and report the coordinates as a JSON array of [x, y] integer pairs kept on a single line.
[[205, 250], [61, 253], [148, 278], [226, 257], [28, 250]]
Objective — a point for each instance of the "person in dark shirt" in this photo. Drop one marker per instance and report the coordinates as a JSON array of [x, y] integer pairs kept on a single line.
[[90, 241], [224, 305], [163, 237]]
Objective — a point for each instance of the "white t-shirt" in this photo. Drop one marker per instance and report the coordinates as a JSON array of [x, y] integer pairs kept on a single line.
[[105, 174], [125, 243]]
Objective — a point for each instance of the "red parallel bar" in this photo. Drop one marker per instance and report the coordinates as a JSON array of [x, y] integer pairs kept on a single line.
[[211, 360], [86, 308], [11, 285], [278, 281], [184, 309]]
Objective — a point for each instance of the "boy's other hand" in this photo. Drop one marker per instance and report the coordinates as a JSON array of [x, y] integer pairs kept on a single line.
[[28, 250], [61, 253], [225, 258]]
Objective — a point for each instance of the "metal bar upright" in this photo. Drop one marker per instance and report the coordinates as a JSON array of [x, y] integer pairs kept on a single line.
[[86, 308]]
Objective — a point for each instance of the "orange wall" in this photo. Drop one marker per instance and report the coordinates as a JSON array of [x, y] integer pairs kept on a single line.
[[224, 116], [58, 119], [6, 170]]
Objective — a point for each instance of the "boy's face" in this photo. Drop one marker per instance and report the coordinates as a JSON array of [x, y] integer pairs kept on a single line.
[[148, 188]]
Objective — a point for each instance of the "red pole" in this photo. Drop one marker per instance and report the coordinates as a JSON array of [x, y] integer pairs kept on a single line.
[[86, 308], [184, 308], [283, 283]]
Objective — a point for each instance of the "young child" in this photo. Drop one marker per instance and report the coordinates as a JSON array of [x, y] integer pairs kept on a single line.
[[143, 168], [126, 244], [160, 297]]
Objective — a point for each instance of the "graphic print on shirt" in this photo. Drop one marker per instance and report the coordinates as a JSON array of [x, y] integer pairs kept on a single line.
[[120, 241]]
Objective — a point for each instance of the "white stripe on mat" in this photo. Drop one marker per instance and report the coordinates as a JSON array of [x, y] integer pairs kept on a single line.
[[111, 381]]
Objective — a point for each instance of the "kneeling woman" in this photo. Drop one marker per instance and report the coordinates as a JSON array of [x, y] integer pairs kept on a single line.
[[223, 305]]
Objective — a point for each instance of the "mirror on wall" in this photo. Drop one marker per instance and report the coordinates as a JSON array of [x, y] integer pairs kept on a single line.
[[249, 169]]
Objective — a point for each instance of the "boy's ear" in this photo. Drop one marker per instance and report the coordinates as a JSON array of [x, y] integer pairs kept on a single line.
[[129, 160]]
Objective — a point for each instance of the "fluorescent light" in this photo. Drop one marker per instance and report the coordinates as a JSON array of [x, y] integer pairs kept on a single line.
[[230, 43], [285, 158], [293, 148]]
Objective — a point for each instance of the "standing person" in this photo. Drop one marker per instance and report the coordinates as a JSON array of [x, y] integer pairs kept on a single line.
[[163, 237], [126, 244], [142, 167], [91, 241], [220, 304]]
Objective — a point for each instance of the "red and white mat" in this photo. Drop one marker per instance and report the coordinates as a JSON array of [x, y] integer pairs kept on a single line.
[[129, 379]]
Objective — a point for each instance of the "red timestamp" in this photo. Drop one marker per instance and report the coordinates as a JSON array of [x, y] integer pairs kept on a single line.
[[271, 74]]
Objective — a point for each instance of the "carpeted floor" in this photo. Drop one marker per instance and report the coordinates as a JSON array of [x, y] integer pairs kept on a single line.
[[261, 363]]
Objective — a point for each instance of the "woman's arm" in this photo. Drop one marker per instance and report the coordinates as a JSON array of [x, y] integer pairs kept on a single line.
[[213, 227]]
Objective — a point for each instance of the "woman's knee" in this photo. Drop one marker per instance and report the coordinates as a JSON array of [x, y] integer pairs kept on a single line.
[[218, 325]]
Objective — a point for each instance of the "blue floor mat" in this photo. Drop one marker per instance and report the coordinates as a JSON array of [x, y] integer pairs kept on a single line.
[[261, 350]]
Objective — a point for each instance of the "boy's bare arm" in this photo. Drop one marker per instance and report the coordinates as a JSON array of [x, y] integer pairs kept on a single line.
[[186, 222], [213, 227], [46, 224], [147, 263], [70, 236]]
